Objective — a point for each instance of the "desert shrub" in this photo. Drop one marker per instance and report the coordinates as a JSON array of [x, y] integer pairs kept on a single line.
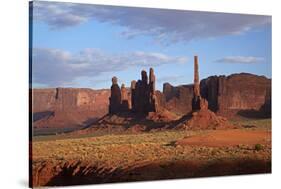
[[258, 147]]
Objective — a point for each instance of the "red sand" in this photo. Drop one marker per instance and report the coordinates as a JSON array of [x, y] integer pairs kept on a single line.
[[221, 138]]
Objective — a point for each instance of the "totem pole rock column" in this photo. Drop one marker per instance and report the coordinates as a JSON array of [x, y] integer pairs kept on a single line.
[[196, 87], [196, 77], [198, 103]]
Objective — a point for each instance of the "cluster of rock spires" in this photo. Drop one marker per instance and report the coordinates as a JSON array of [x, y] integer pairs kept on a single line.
[[143, 97], [140, 99]]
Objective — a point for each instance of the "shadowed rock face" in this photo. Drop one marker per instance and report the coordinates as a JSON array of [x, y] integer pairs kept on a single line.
[[115, 97], [125, 102], [67, 107], [143, 94]]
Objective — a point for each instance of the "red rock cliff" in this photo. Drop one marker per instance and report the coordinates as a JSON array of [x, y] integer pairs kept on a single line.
[[67, 107], [238, 94]]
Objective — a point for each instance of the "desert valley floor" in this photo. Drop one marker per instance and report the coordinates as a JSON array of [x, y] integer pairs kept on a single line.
[[87, 158]]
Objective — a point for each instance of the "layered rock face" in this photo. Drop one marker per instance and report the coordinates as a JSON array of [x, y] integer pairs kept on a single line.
[[178, 98], [238, 94], [67, 107]]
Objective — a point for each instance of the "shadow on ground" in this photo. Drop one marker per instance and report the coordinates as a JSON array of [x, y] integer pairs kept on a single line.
[[78, 174]]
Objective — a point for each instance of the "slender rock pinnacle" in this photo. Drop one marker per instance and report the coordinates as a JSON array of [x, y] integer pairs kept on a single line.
[[196, 77], [152, 80]]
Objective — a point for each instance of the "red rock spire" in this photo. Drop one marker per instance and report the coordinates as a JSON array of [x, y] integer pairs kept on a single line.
[[196, 77]]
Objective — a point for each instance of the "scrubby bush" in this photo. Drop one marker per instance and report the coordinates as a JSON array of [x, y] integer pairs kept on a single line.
[[258, 147]]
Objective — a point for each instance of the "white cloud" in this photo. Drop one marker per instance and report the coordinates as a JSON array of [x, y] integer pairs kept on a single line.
[[166, 26], [55, 67], [241, 59]]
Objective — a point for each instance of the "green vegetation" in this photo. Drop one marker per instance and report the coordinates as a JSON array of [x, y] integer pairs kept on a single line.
[[258, 147]]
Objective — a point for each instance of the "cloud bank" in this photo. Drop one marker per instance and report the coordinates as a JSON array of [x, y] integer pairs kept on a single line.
[[241, 59], [165, 26], [56, 67]]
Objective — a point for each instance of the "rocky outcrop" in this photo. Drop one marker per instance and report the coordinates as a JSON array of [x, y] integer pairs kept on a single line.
[[204, 119], [67, 107]]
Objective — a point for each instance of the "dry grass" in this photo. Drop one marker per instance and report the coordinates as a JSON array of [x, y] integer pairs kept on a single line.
[[125, 150], [110, 148]]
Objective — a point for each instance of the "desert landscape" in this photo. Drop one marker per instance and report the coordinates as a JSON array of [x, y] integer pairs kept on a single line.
[[124, 94], [217, 126]]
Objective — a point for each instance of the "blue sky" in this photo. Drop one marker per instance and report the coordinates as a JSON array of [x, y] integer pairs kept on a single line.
[[79, 45]]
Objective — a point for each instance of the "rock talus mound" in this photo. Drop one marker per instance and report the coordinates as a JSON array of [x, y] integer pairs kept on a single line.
[[205, 119]]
